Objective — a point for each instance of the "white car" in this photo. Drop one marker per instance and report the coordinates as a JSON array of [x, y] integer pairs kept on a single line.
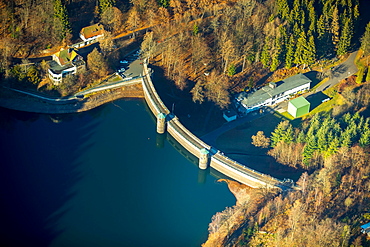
[[124, 61], [122, 70]]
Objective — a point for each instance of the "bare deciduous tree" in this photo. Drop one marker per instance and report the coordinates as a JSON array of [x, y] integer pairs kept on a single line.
[[260, 140]]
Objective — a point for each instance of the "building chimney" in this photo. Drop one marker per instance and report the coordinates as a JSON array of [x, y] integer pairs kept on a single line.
[[272, 85]]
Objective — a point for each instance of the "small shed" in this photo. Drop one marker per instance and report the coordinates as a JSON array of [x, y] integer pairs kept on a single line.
[[230, 115], [298, 107]]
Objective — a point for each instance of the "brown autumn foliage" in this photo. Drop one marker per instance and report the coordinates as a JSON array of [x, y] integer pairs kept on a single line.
[[288, 154], [260, 140], [327, 211]]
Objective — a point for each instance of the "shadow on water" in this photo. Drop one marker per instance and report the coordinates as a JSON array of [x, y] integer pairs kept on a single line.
[[39, 168], [160, 142], [181, 104], [202, 174]]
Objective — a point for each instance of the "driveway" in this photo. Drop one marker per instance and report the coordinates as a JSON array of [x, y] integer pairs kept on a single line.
[[340, 72]]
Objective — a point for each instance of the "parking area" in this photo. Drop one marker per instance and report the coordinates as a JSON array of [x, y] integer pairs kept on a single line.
[[131, 65]]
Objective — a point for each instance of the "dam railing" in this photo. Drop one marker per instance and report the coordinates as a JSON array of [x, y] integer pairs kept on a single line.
[[194, 145]]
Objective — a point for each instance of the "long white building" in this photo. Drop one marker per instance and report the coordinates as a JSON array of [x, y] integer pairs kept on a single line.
[[274, 93]]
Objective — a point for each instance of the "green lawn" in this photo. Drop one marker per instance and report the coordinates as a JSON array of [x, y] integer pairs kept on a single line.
[[286, 115], [326, 107], [115, 78]]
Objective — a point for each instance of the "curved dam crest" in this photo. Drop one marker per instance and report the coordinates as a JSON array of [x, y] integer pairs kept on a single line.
[[216, 159]]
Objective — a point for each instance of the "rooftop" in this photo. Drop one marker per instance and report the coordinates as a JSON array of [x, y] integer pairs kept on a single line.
[[66, 56], [56, 68], [270, 91], [230, 113], [366, 226], [299, 102], [91, 31]]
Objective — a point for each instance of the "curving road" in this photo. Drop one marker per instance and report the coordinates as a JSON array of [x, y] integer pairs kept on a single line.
[[340, 72]]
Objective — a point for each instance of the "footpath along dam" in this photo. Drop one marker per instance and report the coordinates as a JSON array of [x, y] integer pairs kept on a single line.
[[208, 156]]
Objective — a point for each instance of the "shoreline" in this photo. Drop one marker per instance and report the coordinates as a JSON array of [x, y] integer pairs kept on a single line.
[[20, 102]]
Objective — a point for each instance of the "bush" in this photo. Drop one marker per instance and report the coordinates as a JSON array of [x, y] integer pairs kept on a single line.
[[360, 75], [368, 74]]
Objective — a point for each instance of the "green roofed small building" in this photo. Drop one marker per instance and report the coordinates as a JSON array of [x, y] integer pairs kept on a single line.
[[298, 107]]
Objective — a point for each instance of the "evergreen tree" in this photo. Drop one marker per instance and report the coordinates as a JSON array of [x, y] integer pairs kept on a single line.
[[312, 19], [365, 40], [321, 27], [299, 56], [306, 50], [360, 75], [332, 148], [265, 54], [301, 137], [231, 70], [368, 75], [61, 22], [346, 118], [308, 150], [195, 29], [314, 125], [283, 37], [297, 30], [365, 138], [310, 53], [275, 57], [105, 4], [164, 3], [279, 134], [287, 136], [355, 118], [335, 28], [321, 143], [323, 37], [345, 38], [289, 53], [346, 138], [283, 9], [296, 11]]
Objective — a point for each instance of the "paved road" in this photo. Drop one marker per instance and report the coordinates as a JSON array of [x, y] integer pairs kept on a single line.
[[36, 95], [80, 95], [121, 83], [340, 72]]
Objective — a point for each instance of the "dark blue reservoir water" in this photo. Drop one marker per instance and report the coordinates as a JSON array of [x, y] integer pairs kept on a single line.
[[99, 179]]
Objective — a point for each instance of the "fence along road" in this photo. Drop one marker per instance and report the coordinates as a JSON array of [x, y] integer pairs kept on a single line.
[[193, 144]]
